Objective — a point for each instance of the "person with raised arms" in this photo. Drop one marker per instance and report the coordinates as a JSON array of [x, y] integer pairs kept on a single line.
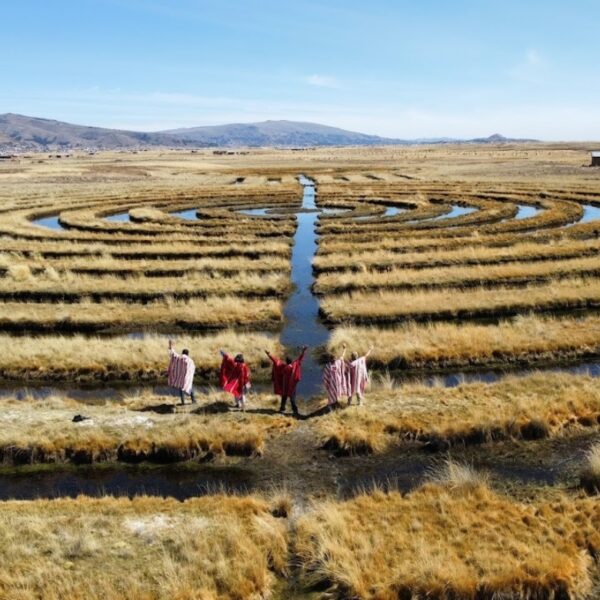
[[285, 376]]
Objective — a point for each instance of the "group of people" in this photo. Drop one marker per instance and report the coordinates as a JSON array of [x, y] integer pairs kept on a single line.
[[341, 378]]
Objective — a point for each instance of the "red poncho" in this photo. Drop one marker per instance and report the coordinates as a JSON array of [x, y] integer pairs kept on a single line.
[[286, 377], [234, 376]]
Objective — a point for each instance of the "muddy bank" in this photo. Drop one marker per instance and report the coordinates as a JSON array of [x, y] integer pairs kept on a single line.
[[522, 469]]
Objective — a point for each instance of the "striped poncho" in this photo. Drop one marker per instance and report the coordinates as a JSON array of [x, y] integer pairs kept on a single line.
[[358, 376], [335, 380], [181, 370]]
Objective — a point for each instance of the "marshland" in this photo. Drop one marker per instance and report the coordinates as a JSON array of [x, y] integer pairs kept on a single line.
[[444, 258]]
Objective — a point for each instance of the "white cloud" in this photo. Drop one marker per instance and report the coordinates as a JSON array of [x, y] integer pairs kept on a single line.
[[322, 81], [533, 68]]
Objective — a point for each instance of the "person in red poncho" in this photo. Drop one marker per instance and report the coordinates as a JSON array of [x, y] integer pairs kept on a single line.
[[235, 378], [286, 375]]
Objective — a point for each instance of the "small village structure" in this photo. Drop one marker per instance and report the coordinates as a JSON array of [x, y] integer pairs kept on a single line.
[[595, 158]]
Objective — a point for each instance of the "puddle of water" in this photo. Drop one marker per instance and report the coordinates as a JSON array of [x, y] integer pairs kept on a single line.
[[590, 213], [189, 214], [179, 483], [526, 212], [118, 218], [457, 211], [390, 211], [49, 222], [254, 212]]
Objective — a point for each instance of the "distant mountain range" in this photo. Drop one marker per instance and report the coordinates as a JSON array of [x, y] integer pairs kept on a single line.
[[19, 133]]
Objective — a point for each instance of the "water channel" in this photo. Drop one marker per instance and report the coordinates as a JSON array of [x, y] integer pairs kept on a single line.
[[301, 312], [526, 212], [118, 218]]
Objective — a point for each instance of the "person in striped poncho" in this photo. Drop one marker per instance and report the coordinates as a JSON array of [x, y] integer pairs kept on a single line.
[[335, 378], [181, 371], [358, 376]]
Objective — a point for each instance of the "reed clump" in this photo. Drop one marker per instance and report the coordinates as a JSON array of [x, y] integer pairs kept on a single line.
[[590, 474]]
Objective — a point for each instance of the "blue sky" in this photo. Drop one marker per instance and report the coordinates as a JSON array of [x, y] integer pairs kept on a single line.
[[459, 68]]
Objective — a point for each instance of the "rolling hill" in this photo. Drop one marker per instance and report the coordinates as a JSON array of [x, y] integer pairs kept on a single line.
[[19, 133]]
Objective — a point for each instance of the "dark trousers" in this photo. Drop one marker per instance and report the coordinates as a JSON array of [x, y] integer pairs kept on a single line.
[[182, 396], [284, 400]]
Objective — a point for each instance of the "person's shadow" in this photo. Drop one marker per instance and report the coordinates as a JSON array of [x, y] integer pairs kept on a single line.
[[222, 407]]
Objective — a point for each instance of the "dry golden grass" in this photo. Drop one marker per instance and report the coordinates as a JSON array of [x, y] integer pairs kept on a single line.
[[213, 312], [438, 345], [446, 542], [107, 265], [116, 248], [536, 406], [52, 283], [590, 474], [459, 275], [79, 358], [212, 548], [389, 253], [144, 428], [448, 303]]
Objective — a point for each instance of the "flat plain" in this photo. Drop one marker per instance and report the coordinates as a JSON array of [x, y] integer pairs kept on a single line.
[[471, 470]]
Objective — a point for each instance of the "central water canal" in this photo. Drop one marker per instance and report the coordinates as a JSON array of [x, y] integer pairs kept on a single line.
[[301, 312]]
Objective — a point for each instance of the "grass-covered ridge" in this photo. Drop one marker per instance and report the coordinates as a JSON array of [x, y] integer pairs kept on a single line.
[[532, 407]]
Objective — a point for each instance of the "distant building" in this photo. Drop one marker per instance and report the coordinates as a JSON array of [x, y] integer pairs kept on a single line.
[[596, 158]]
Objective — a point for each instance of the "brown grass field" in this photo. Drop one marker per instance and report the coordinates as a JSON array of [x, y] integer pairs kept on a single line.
[[450, 541], [531, 407], [458, 541], [430, 262], [217, 547], [526, 340], [141, 428], [79, 358]]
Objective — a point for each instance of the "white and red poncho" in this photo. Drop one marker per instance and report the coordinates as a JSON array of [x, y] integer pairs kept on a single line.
[[358, 376], [181, 370], [335, 380]]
